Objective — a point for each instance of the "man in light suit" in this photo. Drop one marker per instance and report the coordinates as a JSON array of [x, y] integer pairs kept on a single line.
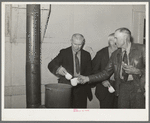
[[75, 61], [107, 99], [128, 65]]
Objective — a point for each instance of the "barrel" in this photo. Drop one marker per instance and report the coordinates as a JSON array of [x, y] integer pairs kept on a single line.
[[58, 95]]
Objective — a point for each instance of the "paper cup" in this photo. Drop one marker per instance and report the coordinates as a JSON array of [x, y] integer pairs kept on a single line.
[[74, 81], [68, 76], [111, 89]]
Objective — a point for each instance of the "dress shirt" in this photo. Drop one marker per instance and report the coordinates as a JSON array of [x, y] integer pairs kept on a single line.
[[79, 57], [127, 51]]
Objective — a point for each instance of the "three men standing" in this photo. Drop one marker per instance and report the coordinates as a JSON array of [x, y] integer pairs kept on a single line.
[[127, 63]]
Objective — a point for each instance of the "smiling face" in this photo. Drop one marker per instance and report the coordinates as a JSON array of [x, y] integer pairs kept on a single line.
[[77, 43]]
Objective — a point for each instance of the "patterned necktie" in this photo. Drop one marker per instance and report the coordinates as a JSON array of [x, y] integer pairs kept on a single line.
[[125, 60], [77, 63]]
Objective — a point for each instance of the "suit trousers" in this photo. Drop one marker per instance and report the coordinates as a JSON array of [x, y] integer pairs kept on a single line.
[[79, 95], [110, 101], [130, 96]]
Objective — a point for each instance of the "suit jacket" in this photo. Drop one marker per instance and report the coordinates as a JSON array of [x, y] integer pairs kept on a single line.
[[136, 58], [98, 64], [65, 59]]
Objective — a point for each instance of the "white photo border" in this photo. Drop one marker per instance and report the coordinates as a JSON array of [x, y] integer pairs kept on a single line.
[[69, 114]]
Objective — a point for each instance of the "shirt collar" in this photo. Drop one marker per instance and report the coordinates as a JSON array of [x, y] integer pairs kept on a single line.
[[128, 48], [75, 52]]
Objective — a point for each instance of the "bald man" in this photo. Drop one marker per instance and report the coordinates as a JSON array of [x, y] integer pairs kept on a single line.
[[75, 61]]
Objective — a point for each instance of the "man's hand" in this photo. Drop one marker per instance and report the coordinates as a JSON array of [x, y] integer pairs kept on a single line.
[[106, 83], [61, 71], [83, 79], [130, 69]]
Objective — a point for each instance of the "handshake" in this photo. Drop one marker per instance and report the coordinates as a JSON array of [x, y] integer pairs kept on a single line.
[[83, 79], [78, 80]]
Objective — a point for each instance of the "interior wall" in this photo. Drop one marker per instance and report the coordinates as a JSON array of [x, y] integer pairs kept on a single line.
[[138, 23], [95, 22]]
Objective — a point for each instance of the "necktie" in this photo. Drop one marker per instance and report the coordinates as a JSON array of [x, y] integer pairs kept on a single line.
[[125, 60], [77, 63]]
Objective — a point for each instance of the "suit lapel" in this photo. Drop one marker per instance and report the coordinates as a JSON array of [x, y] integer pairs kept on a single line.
[[70, 57], [107, 54], [119, 61], [131, 53], [82, 61]]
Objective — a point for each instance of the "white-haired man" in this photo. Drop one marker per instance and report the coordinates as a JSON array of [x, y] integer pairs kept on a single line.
[[99, 62], [75, 61]]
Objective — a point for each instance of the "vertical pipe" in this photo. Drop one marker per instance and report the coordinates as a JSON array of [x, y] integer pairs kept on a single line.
[[33, 77]]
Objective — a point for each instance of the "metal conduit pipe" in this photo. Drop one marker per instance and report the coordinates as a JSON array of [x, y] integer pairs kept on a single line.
[[33, 70]]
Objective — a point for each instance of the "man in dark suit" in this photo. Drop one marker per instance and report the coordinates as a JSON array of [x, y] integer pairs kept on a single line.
[[75, 61], [107, 99], [128, 65]]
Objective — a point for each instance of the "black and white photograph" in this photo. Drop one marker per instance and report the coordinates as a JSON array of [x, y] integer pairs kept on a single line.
[[75, 61]]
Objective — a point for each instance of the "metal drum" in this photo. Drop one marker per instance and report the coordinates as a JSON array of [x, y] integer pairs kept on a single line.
[[58, 95]]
